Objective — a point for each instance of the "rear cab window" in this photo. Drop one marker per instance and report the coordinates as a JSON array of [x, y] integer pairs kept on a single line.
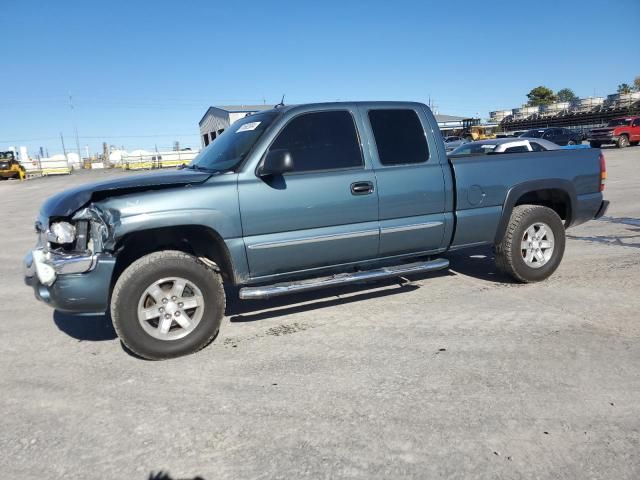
[[399, 136], [516, 149]]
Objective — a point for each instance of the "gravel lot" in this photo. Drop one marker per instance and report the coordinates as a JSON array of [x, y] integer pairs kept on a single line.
[[457, 375]]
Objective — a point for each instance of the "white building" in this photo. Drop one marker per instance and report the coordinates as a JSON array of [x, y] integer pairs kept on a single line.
[[217, 119]]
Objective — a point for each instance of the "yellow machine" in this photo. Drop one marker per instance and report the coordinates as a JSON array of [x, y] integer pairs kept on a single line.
[[10, 167], [472, 130]]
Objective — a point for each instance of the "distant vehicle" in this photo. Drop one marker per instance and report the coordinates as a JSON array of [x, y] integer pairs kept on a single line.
[[620, 131], [504, 145], [10, 167], [472, 130], [451, 143], [559, 136]]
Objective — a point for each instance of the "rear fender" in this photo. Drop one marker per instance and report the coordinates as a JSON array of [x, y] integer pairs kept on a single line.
[[518, 191]]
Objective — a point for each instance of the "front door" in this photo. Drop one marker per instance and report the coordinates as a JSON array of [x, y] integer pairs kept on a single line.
[[324, 212]]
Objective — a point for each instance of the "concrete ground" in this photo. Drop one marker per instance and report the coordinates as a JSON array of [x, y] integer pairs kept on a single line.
[[459, 375]]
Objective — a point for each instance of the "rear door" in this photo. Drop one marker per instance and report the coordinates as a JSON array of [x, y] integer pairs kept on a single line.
[[411, 186], [325, 212]]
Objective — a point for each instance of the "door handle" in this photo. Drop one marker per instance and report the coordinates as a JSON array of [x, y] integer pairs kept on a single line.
[[361, 188]]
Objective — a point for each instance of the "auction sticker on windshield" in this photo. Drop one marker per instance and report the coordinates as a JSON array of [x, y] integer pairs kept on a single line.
[[248, 127]]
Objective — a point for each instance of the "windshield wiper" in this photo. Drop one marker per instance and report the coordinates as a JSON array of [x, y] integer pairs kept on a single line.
[[202, 169]]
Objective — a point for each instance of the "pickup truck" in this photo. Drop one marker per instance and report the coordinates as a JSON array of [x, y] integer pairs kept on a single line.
[[620, 131], [299, 198]]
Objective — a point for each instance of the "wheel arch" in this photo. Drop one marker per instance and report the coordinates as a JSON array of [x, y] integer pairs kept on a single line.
[[198, 240], [557, 194]]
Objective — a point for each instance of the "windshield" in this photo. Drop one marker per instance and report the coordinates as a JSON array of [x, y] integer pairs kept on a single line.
[[618, 122], [231, 147], [474, 149], [533, 134], [6, 156]]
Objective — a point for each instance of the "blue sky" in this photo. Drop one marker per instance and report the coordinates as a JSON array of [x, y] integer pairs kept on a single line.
[[143, 73]]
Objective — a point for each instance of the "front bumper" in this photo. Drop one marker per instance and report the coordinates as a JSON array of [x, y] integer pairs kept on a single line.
[[603, 139], [70, 282]]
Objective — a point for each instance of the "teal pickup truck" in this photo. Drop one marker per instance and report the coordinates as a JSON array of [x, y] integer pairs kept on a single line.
[[299, 198]]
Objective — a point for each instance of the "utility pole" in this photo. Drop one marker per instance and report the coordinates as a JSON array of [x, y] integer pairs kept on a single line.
[[64, 150], [75, 127]]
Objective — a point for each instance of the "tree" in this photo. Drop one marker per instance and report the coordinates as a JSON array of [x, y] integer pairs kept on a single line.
[[624, 88], [636, 84], [566, 95], [540, 96]]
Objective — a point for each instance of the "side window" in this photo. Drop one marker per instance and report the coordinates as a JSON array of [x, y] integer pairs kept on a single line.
[[518, 149], [399, 137], [205, 139], [636, 122], [321, 141], [536, 147]]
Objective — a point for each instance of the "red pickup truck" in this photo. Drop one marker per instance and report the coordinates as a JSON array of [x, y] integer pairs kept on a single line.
[[622, 132]]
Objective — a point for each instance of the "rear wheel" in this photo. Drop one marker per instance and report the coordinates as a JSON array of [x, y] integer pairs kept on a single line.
[[167, 304], [533, 244], [623, 141], [571, 142]]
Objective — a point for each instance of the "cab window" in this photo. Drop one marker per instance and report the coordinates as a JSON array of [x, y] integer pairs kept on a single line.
[[321, 141], [399, 136]]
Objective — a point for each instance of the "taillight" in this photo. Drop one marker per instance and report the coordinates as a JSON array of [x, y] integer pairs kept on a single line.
[[603, 172]]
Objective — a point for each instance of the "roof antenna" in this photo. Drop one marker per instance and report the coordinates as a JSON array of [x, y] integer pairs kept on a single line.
[[281, 104]]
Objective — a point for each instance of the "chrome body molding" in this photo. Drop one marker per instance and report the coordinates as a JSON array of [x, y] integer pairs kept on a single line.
[[318, 238], [406, 228]]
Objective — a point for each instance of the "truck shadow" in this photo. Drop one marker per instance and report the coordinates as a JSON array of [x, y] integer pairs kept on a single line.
[[90, 328], [477, 263]]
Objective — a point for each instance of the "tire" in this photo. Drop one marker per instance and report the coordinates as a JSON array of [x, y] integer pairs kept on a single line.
[[623, 141], [595, 144], [512, 259], [184, 330], [571, 142]]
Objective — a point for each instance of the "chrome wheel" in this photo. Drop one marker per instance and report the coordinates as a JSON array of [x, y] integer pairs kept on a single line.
[[170, 308], [537, 245]]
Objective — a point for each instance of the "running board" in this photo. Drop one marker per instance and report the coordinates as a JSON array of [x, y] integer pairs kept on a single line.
[[267, 291]]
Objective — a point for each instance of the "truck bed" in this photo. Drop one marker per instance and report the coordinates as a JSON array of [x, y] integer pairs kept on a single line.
[[486, 184]]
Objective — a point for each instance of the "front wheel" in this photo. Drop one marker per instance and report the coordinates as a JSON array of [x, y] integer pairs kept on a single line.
[[167, 304], [623, 141], [571, 142], [533, 244]]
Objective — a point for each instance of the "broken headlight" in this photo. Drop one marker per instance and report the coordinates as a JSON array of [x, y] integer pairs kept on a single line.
[[61, 233]]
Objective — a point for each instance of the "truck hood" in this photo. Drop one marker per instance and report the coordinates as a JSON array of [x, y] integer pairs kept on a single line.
[[67, 202]]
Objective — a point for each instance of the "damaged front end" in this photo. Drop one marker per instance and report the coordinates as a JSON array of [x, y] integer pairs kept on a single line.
[[69, 256], [68, 246]]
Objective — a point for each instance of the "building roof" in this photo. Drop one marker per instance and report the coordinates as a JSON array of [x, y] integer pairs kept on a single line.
[[448, 118], [244, 108], [236, 109]]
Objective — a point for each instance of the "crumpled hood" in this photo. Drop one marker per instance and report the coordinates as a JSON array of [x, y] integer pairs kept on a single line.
[[67, 202]]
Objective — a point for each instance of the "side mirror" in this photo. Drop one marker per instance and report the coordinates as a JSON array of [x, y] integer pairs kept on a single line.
[[276, 162]]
